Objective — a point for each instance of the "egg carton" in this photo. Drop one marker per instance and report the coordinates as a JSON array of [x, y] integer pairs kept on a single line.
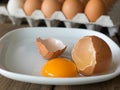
[[111, 21]]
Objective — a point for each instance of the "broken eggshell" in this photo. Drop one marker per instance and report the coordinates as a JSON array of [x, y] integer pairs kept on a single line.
[[50, 48]]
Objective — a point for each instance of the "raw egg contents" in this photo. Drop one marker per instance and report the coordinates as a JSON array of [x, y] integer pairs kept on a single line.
[[59, 67], [91, 55]]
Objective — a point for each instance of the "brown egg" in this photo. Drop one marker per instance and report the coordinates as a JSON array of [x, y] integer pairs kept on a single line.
[[94, 9], [31, 5], [50, 6], [71, 8], [92, 55]]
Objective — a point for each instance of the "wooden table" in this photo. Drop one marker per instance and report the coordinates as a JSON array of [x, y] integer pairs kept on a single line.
[[8, 84]]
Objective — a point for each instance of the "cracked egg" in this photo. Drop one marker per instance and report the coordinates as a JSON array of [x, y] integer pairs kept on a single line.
[[50, 48], [92, 55]]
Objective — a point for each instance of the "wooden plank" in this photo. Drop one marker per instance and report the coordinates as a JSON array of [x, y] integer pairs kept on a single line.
[[8, 84], [113, 84]]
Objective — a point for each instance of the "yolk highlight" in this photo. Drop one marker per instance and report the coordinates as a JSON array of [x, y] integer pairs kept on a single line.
[[59, 67]]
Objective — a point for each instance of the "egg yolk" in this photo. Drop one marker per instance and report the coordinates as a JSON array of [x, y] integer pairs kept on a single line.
[[59, 67]]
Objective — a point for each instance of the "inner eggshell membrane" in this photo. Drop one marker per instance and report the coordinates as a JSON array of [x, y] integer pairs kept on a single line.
[[52, 44], [50, 48], [91, 55]]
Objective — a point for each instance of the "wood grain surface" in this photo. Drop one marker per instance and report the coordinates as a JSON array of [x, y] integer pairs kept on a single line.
[[8, 84]]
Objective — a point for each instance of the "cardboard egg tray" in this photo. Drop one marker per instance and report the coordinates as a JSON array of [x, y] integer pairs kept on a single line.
[[111, 20]]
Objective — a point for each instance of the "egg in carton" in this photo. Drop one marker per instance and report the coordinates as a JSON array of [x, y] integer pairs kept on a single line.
[[15, 12], [15, 18]]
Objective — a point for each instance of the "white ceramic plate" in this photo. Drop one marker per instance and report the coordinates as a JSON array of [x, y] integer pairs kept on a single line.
[[20, 59]]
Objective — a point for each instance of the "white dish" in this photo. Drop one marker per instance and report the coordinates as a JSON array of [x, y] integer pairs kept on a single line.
[[20, 59]]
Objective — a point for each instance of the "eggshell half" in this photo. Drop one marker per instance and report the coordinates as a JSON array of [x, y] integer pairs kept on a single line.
[[92, 55], [50, 48]]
